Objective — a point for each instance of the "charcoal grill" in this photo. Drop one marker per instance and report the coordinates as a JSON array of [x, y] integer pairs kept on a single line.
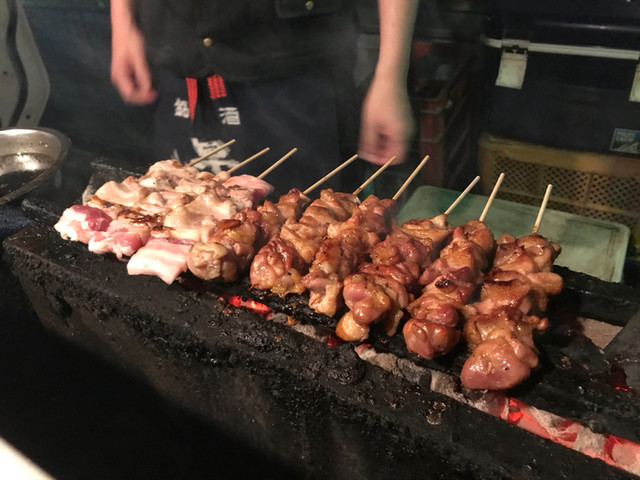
[[284, 384]]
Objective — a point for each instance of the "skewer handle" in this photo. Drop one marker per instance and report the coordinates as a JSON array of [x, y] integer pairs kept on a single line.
[[491, 197], [330, 174], [411, 177], [272, 167], [251, 158], [462, 195], [543, 206], [372, 177], [210, 152]]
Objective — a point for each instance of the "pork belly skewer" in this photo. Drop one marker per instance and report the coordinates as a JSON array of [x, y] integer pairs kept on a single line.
[[168, 184], [121, 216], [163, 250], [346, 246], [231, 248], [385, 285], [500, 327], [449, 282], [280, 265], [199, 219]]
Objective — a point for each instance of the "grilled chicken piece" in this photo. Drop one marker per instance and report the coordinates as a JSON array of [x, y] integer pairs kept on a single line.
[[230, 250], [460, 253], [382, 288], [400, 247], [500, 327], [275, 267], [450, 282], [351, 331], [405, 273], [429, 339], [505, 322], [434, 230], [498, 364], [531, 253], [432, 330], [527, 293], [298, 243], [371, 297], [343, 249]]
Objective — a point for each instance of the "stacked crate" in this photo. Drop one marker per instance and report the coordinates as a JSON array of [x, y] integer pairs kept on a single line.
[[585, 183], [560, 104]]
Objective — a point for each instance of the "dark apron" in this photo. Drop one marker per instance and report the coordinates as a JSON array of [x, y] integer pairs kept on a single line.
[[306, 112]]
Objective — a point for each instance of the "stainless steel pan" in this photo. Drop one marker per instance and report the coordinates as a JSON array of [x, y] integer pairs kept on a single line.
[[28, 156]]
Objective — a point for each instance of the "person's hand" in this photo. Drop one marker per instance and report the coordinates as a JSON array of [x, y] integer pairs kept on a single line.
[[130, 73], [387, 124]]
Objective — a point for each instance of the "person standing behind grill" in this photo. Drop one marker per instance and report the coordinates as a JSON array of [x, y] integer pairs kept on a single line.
[[266, 73]]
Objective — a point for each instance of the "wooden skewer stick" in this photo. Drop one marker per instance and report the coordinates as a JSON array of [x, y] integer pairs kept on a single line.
[[250, 159], [411, 177], [491, 197], [209, 153], [462, 195], [268, 170], [330, 174], [372, 177], [543, 206]]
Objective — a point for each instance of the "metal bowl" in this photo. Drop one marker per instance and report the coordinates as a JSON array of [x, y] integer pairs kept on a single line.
[[28, 156]]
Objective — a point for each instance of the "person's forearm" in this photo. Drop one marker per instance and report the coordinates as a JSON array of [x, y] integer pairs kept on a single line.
[[397, 19], [121, 14]]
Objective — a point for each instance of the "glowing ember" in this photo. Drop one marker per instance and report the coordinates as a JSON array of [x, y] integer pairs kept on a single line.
[[256, 307], [613, 450], [621, 452], [331, 340], [619, 379]]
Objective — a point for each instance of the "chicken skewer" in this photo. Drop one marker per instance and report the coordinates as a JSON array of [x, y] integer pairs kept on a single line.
[[346, 246], [499, 328], [385, 285], [449, 282], [281, 263]]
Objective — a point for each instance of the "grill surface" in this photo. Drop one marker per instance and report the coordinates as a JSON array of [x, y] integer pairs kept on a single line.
[[318, 408]]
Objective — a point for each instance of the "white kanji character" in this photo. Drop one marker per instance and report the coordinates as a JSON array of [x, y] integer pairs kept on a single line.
[[180, 108], [229, 115]]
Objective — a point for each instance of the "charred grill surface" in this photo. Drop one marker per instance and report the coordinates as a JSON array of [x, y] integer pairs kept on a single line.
[[292, 395], [594, 298]]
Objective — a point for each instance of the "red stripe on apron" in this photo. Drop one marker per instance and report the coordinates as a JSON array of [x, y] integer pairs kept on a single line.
[[217, 88], [192, 95]]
